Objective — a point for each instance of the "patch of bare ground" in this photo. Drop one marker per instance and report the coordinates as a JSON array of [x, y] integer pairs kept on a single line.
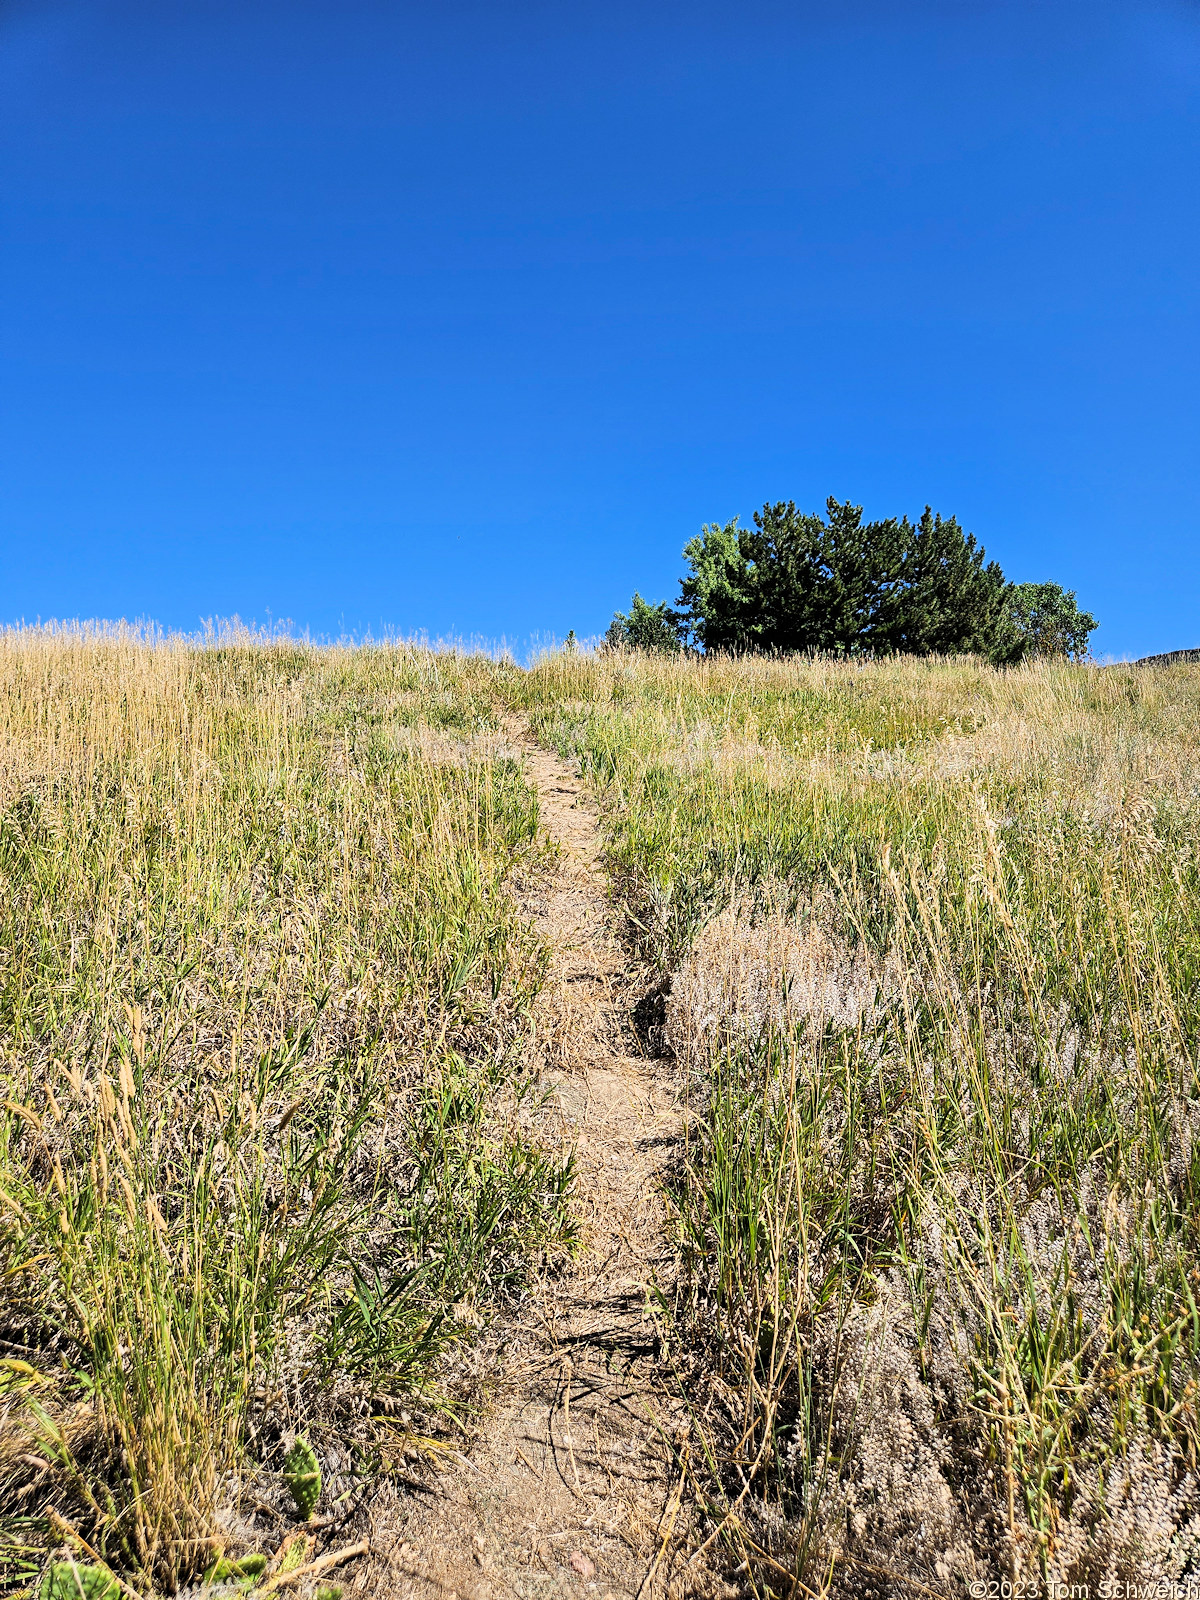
[[573, 1485]]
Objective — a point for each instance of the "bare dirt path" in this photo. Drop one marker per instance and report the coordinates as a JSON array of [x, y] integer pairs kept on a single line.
[[572, 1488]]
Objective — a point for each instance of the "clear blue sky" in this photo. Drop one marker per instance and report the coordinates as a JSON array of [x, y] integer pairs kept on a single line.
[[465, 317]]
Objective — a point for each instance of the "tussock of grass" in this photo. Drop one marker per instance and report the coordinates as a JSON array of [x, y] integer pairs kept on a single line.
[[934, 938], [264, 995]]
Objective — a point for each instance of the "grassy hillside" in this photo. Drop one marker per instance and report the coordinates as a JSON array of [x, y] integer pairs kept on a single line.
[[927, 948], [931, 937], [264, 999]]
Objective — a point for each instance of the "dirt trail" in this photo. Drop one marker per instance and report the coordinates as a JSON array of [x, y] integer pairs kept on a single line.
[[571, 1489]]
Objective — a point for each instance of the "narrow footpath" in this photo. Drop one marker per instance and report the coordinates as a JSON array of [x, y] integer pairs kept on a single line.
[[573, 1487]]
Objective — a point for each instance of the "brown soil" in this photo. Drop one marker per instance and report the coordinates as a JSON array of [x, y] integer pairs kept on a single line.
[[573, 1486]]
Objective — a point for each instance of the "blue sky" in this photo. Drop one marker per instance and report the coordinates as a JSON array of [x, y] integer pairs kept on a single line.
[[466, 317]]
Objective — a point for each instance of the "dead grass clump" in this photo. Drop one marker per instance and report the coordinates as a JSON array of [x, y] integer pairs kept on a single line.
[[757, 970]]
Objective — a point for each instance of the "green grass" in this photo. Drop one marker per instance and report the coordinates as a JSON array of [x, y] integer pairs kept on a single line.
[[265, 996], [930, 937], [933, 936]]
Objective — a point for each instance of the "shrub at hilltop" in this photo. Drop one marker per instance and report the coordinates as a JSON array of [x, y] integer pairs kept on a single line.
[[1048, 620], [646, 627], [796, 581]]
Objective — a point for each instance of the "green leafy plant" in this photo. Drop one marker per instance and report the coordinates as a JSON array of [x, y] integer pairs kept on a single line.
[[244, 1572], [646, 627], [1045, 620], [302, 1474], [75, 1580]]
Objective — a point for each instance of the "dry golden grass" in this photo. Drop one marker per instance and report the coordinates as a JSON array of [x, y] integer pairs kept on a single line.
[[932, 935], [932, 941], [264, 1000]]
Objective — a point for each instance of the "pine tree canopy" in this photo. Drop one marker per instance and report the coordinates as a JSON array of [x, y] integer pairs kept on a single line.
[[799, 581]]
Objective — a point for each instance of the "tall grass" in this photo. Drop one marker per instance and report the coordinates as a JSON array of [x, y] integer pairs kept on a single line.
[[264, 999], [932, 936], [929, 937]]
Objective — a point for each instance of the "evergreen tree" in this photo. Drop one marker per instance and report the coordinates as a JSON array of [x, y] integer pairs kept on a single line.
[[785, 552], [796, 581], [862, 593], [949, 602]]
